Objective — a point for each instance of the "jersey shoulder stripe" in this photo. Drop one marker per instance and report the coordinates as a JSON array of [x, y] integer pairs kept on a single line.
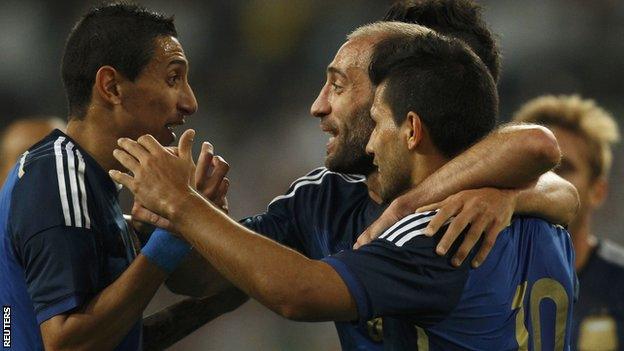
[[70, 173], [316, 177], [407, 228]]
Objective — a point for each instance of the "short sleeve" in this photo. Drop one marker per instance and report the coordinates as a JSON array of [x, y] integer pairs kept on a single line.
[[287, 217], [61, 269], [276, 224], [400, 274]]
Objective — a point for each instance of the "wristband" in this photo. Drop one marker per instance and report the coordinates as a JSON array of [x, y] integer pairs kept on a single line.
[[165, 250]]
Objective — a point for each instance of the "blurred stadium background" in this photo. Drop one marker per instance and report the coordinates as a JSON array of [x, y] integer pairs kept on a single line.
[[257, 65]]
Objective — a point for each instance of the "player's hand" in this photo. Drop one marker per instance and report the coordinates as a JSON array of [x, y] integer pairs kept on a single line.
[[161, 181], [210, 178], [487, 211], [398, 209]]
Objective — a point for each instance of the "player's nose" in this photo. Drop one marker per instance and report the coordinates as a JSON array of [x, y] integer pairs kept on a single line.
[[321, 106], [187, 102]]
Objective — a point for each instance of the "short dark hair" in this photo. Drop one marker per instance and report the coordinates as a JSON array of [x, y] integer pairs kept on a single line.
[[441, 80], [459, 19], [118, 34]]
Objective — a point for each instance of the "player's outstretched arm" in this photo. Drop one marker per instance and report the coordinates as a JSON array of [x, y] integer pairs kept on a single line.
[[278, 277], [487, 211], [103, 322], [164, 328], [512, 157]]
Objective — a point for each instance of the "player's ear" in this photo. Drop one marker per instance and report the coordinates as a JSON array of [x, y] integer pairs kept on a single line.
[[106, 85], [413, 129], [598, 191]]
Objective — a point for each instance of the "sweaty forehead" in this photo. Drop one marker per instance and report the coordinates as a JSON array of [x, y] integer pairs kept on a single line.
[[167, 48]]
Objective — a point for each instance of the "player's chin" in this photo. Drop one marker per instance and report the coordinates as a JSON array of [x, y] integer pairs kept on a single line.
[[166, 137]]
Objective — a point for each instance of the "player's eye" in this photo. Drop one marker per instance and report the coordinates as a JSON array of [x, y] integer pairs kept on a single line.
[[172, 80], [337, 88]]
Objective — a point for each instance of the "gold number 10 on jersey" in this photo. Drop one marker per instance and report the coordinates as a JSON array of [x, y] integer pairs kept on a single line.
[[544, 288]]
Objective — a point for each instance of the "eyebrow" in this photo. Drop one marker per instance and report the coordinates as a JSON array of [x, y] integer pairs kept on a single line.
[[178, 62], [332, 69]]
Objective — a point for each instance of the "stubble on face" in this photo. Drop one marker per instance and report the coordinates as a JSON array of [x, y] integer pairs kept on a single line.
[[350, 155], [352, 120], [390, 152]]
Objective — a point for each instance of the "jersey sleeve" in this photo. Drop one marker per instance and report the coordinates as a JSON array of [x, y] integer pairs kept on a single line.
[[399, 274], [51, 232], [286, 219], [277, 223], [61, 269]]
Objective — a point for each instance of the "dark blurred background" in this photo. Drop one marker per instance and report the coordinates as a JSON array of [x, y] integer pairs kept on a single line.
[[256, 67]]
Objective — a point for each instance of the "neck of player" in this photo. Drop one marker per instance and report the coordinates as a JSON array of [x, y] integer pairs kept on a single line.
[[97, 138]]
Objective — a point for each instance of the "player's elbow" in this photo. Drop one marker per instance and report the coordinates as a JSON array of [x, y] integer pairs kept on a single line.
[[542, 145], [290, 301], [296, 309], [573, 201]]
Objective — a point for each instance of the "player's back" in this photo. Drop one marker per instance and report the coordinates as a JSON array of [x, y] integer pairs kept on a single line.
[[520, 298]]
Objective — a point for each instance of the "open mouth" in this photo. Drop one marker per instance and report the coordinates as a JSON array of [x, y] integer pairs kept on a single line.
[[173, 125], [333, 133]]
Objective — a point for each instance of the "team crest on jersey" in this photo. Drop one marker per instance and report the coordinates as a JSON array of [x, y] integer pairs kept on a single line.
[[598, 333], [375, 329]]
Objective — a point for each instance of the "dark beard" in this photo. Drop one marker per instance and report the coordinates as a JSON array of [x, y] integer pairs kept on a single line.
[[350, 156]]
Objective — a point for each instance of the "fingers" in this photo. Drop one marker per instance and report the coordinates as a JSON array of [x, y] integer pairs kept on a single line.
[[223, 188], [470, 240], [172, 150], [487, 243], [445, 212], [390, 216], [204, 165], [149, 143], [428, 208], [363, 239], [220, 169], [122, 178], [457, 226], [133, 148], [185, 146], [126, 160], [142, 214]]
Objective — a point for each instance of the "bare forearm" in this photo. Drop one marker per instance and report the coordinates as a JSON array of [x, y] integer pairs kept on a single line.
[[280, 278], [195, 277], [166, 327], [108, 317], [552, 198], [510, 157]]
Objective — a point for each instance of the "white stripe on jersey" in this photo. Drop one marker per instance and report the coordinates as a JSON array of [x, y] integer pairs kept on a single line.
[[60, 175], [409, 237], [315, 179], [83, 192], [403, 220], [409, 226], [73, 183], [406, 226], [20, 172]]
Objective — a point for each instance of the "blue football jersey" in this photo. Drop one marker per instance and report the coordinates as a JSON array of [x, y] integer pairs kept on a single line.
[[63, 238], [321, 214], [599, 312], [520, 298]]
